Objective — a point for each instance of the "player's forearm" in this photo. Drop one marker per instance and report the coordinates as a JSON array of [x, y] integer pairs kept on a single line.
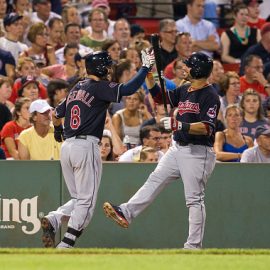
[[56, 121], [198, 129], [135, 83]]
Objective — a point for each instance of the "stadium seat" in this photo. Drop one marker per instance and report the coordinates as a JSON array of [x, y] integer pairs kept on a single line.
[[150, 25], [231, 67]]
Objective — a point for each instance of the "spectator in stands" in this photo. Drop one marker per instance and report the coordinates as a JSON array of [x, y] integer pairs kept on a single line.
[[40, 51], [180, 74], [133, 55], [204, 35], [23, 8], [14, 30], [67, 70], [56, 33], [253, 76], [148, 154], [27, 67], [57, 91], [122, 72], [29, 88], [73, 35], [12, 129], [137, 33], [167, 32], [236, 40], [266, 108], [5, 115], [149, 136], [42, 12], [37, 142], [254, 19], [165, 139], [81, 70], [7, 64], [231, 143], [5, 92], [230, 86], [106, 148], [159, 112], [113, 48], [260, 153], [122, 33], [211, 10], [217, 76], [3, 12], [70, 14], [104, 5], [98, 21], [262, 49], [111, 146], [128, 120], [253, 116], [183, 46]]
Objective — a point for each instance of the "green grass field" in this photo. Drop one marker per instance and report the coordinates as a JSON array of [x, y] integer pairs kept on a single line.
[[131, 259]]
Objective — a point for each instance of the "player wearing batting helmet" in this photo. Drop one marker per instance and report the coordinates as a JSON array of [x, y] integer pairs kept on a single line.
[[191, 158], [84, 110]]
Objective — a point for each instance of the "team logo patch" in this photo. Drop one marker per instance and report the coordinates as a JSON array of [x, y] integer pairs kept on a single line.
[[112, 84], [212, 112], [188, 107]]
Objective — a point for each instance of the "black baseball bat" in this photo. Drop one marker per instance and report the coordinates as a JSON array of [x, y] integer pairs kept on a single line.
[[157, 53]]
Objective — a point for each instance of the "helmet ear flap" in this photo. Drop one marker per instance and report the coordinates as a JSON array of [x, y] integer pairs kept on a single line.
[[192, 73]]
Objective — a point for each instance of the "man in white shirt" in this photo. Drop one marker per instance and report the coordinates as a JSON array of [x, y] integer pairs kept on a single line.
[[204, 34], [43, 12], [14, 29], [149, 136], [261, 152], [73, 35]]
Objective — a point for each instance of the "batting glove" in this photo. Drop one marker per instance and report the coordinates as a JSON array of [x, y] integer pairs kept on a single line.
[[148, 58], [171, 123], [59, 133]]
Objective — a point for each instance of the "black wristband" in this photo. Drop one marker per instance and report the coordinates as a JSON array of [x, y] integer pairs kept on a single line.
[[58, 128], [185, 127]]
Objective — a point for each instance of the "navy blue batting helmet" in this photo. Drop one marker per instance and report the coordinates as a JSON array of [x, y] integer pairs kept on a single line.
[[201, 65], [97, 63]]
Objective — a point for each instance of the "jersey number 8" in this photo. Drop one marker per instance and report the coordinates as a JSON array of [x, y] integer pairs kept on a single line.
[[75, 119]]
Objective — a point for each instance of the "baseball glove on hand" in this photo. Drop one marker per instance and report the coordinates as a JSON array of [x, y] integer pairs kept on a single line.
[[171, 123], [59, 133], [148, 58]]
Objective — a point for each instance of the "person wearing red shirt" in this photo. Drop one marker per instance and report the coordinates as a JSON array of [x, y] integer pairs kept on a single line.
[[254, 20], [253, 76], [12, 129], [27, 67]]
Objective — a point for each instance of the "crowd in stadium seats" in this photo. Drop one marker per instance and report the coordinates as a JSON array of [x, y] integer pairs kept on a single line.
[[42, 49]]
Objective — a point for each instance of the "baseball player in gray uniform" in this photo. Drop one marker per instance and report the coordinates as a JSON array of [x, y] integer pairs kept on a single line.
[[192, 157], [84, 111]]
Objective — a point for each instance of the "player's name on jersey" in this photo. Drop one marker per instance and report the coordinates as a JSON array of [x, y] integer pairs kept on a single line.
[[80, 95]]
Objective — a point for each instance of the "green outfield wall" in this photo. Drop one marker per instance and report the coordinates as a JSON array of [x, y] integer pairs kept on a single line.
[[237, 204]]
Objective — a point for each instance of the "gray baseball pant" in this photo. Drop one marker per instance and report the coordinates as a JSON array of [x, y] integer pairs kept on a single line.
[[194, 164], [82, 167]]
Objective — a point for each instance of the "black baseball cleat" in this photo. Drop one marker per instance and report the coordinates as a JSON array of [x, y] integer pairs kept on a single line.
[[48, 236], [115, 213]]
